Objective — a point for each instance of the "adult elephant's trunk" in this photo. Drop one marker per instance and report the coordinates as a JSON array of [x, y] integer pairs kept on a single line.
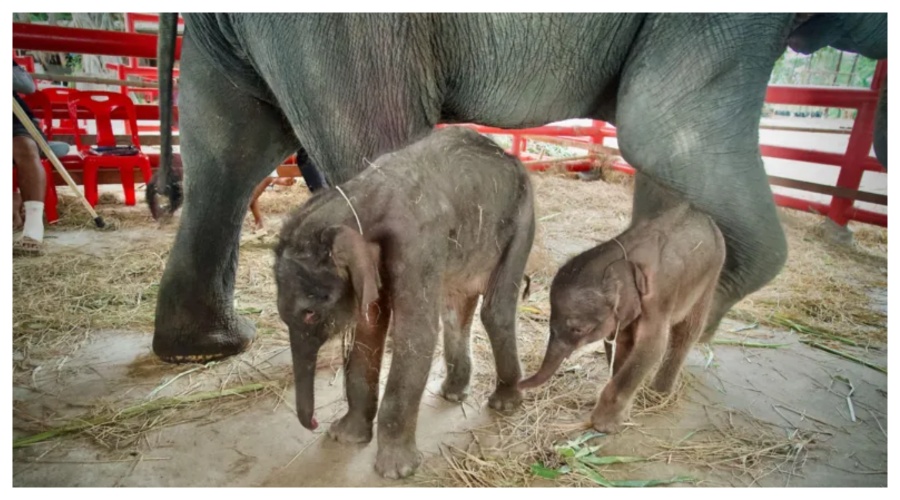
[[557, 352], [305, 352], [166, 182], [880, 138]]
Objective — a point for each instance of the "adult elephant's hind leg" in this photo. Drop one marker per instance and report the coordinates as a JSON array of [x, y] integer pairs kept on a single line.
[[229, 142], [689, 120]]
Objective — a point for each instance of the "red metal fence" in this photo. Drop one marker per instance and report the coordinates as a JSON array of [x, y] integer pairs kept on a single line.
[[852, 163], [133, 68]]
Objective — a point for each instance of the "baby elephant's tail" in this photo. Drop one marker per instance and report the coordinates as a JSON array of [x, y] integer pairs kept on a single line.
[[527, 290]]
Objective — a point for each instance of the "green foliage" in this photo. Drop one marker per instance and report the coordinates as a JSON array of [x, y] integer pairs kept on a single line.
[[582, 460], [828, 66]]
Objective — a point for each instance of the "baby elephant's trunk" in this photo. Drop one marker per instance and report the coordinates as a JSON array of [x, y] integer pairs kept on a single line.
[[557, 351], [304, 356]]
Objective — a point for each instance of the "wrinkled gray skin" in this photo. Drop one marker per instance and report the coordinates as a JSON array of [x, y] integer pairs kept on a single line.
[[662, 273], [684, 90], [444, 220]]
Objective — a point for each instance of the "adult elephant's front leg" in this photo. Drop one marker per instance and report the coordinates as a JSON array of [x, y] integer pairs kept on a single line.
[[688, 120], [229, 142]]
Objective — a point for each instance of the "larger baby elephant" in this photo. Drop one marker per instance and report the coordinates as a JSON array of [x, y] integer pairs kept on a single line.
[[419, 236], [662, 271]]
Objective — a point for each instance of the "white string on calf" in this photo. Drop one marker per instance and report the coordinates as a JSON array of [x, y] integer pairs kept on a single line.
[[358, 223], [612, 363], [348, 339], [622, 247]]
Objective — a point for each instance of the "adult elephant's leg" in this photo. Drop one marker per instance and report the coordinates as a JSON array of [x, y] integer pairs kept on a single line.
[[688, 118], [229, 142]]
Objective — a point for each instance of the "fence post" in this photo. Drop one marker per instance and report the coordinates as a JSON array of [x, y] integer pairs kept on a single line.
[[857, 151], [518, 145]]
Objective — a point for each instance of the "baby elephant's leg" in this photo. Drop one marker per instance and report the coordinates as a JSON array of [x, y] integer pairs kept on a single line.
[[614, 404], [361, 376], [684, 335], [499, 309], [457, 326]]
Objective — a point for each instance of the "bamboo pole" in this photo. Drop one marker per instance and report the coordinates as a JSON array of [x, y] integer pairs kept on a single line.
[[559, 160], [93, 79]]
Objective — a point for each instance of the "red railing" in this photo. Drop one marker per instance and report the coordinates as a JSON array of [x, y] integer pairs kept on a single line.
[[853, 162], [133, 68], [28, 36]]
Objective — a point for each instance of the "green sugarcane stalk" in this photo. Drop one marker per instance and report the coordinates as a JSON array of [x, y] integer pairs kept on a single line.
[[80, 424], [845, 355]]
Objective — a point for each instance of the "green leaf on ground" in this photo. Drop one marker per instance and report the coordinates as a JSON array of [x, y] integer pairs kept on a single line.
[[544, 472]]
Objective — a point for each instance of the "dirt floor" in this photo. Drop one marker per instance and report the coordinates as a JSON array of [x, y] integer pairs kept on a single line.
[[766, 405]]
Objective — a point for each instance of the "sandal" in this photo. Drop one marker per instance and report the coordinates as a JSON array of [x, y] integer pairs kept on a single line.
[[27, 247]]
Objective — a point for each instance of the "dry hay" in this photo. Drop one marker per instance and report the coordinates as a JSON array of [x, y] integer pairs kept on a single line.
[[825, 286], [749, 451], [572, 210], [74, 215], [283, 199], [63, 296], [118, 426]]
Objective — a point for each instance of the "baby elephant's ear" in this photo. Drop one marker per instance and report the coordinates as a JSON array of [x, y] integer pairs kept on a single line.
[[640, 280], [350, 250]]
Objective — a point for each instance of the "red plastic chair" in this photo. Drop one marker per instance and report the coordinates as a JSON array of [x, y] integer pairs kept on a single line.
[[62, 95], [26, 62], [41, 108], [107, 154], [51, 200]]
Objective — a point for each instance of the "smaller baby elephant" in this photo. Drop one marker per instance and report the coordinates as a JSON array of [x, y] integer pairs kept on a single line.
[[660, 273], [411, 242]]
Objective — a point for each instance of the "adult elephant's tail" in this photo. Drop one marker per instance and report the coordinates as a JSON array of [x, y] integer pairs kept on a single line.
[[864, 34], [166, 181]]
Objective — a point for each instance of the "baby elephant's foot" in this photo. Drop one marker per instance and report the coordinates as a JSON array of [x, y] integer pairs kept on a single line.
[[397, 462], [351, 430], [664, 385], [608, 421], [505, 398], [454, 392]]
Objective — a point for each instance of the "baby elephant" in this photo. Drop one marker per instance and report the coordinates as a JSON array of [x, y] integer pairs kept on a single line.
[[660, 273], [412, 241]]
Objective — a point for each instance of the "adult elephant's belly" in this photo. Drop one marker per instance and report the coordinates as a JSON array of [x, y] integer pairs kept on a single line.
[[215, 36], [544, 69]]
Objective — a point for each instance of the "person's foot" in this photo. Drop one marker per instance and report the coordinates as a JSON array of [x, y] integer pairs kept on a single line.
[[27, 247]]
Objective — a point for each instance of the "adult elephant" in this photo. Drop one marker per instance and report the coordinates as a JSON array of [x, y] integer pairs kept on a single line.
[[684, 90]]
